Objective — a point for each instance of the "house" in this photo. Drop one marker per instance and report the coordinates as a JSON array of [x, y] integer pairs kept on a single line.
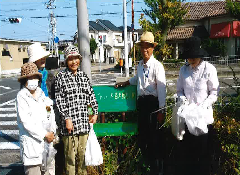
[[13, 55], [109, 39], [208, 19]]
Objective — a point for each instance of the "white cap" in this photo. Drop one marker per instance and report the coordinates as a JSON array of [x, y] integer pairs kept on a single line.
[[36, 52]]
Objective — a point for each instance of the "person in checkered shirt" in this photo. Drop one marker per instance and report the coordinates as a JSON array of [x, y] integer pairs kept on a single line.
[[74, 93]]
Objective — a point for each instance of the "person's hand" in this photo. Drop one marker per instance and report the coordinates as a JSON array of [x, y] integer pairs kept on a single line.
[[69, 125], [93, 119], [160, 117], [49, 137], [121, 84]]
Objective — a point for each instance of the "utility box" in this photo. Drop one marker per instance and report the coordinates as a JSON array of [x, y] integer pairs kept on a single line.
[[52, 62]]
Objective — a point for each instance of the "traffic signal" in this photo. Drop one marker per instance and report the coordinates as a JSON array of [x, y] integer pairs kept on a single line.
[[15, 20], [100, 38]]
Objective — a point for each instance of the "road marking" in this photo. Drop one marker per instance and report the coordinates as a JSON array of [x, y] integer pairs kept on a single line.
[[8, 102], [228, 78], [8, 132], [9, 92], [8, 115], [5, 87], [9, 145], [8, 123], [228, 87], [7, 109]]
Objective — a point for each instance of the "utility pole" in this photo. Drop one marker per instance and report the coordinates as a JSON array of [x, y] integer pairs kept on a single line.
[[83, 36], [52, 28], [125, 38], [134, 59]]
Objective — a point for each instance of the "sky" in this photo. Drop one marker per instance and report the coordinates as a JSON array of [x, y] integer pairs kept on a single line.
[[35, 17]]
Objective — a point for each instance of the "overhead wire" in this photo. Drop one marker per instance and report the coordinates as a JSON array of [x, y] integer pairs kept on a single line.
[[59, 16]]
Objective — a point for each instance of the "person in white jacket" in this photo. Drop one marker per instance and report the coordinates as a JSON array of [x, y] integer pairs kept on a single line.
[[197, 84], [32, 117]]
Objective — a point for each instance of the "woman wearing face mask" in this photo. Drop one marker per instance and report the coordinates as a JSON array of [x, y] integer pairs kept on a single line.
[[31, 117]]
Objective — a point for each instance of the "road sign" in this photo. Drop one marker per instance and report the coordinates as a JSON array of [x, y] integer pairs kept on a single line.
[[56, 39]]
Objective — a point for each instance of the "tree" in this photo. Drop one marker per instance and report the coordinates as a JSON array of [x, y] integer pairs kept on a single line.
[[165, 15], [214, 47], [93, 46], [233, 7]]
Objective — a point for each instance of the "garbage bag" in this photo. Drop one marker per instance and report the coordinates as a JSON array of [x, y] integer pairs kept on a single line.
[[93, 154], [178, 123], [194, 116], [48, 156]]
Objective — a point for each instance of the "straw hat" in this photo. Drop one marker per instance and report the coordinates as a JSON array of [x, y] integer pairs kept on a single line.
[[192, 48], [36, 52], [148, 38], [28, 70], [71, 50]]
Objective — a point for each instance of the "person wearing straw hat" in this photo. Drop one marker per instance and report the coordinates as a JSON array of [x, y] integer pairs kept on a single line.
[[31, 116], [73, 94], [38, 56], [151, 89], [197, 84]]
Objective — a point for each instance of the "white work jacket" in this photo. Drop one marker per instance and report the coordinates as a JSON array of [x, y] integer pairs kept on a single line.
[[32, 118], [199, 85]]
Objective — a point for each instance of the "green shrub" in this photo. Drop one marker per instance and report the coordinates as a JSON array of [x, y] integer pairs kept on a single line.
[[227, 125]]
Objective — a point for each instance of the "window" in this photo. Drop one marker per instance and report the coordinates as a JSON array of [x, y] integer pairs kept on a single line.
[[118, 38], [24, 48], [135, 37], [237, 46], [5, 52], [19, 48], [104, 38]]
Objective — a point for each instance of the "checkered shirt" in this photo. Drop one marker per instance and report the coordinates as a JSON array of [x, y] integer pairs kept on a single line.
[[73, 94]]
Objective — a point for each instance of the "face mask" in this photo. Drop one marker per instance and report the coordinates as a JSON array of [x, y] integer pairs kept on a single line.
[[32, 84]]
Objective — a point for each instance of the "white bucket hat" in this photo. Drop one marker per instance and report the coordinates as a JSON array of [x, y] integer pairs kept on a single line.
[[36, 52]]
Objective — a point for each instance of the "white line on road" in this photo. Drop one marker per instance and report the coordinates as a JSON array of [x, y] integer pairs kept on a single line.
[[9, 92], [8, 122], [7, 109], [8, 102], [8, 132], [5, 87], [228, 87], [8, 115], [9, 145]]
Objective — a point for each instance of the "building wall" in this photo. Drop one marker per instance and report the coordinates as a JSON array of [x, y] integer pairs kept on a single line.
[[15, 61], [18, 52], [229, 42]]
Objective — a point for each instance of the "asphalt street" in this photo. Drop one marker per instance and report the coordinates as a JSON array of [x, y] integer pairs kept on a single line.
[[9, 87]]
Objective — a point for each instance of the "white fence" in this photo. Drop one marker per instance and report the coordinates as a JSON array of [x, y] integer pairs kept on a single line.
[[226, 60]]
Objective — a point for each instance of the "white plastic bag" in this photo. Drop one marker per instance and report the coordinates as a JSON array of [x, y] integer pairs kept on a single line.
[[194, 116], [178, 123], [93, 154], [48, 156]]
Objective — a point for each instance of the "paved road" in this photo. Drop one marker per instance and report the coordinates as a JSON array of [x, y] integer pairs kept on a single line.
[[9, 145]]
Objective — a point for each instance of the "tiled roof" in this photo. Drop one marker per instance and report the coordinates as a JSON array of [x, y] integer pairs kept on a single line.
[[200, 10], [180, 33], [186, 32]]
